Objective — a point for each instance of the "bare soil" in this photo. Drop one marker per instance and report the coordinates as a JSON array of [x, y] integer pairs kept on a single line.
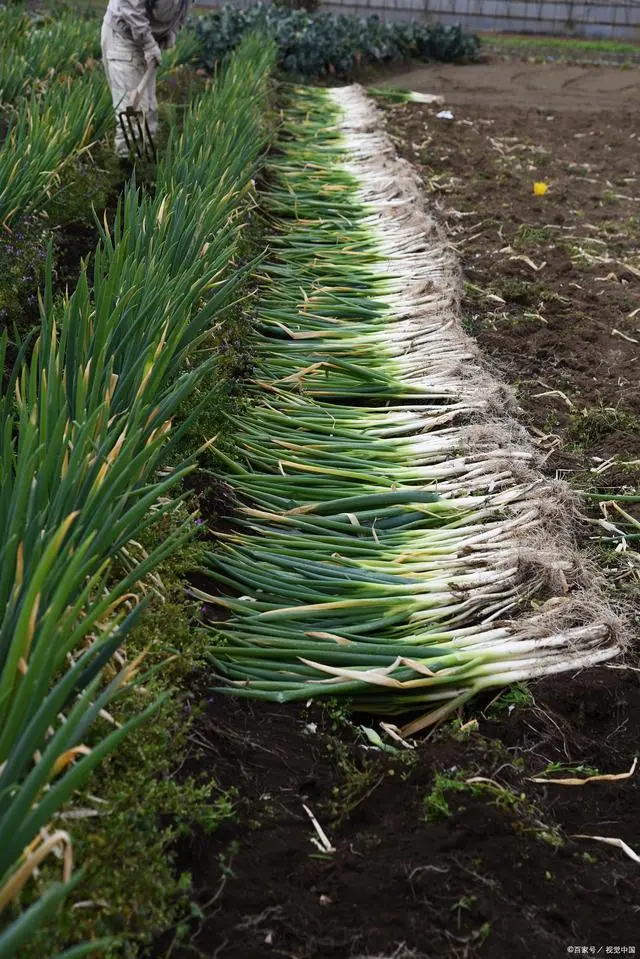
[[498, 875], [550, 86], [552, 283], [426, 864]]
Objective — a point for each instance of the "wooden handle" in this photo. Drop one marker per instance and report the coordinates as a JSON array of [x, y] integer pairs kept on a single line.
[[139, 90]]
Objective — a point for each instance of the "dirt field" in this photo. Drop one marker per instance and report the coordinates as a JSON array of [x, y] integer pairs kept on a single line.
[[552, 283], [460, 872], [547, 87], [426, 863]]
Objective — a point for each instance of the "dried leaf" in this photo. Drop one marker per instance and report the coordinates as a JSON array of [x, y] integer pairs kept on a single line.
[[529, 262], [604, 777]]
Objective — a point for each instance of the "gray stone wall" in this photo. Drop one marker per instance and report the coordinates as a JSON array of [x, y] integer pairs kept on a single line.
[[619, 19]]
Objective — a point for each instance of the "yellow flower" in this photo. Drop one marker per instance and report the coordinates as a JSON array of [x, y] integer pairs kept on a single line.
[[540, 189]]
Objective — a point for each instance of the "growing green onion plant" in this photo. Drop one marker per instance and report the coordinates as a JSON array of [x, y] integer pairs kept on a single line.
[[45, 134], [86, 436], [55, 103], [35, 50]]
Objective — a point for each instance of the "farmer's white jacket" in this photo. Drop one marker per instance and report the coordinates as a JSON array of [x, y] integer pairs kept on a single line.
[[147, 22]]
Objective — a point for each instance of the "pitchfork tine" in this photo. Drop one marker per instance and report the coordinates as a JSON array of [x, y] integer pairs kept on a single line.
[[152, 153], [138, 140], [123, 127], [140, 146]]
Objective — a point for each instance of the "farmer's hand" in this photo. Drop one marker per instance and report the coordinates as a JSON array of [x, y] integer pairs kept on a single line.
[[153, 55]]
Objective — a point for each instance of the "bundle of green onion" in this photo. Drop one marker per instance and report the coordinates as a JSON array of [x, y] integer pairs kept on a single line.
[[389, 545]]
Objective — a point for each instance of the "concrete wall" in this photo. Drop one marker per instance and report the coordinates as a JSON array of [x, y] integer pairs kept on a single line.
[[619, 19]]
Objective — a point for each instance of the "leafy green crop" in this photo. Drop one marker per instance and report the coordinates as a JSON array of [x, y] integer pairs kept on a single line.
[[326, 43]]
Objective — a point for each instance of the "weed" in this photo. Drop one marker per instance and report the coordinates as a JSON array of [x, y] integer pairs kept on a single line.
[[337, 712], [529, 237], [225, 859], [461, 729], [464, 904], [361, 777], [523, 292], [551, 837], [629, 227], [408, 759], [516, 696], [361, 772], [176, 90], [23, 253], [472, 323], [436, 805], [551, 423], [526, 816], [593, 423], [609, 196], [85, 186], [567, 769]]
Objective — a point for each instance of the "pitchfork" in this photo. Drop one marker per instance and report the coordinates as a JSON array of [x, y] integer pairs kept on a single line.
[[134, 124]]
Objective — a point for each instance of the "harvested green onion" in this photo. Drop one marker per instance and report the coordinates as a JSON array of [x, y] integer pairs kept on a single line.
[[390, 539]]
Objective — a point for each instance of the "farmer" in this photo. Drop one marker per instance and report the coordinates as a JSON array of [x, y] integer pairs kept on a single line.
[[134, 34]]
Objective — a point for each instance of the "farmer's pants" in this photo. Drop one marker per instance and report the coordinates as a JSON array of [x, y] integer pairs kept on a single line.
[[125, 66]]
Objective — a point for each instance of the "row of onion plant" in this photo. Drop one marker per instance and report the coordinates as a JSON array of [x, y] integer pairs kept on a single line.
[[56, 103], [377, 551], [87, 433], [62, 104], [33, 49], [36, 50], [45, 134]]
